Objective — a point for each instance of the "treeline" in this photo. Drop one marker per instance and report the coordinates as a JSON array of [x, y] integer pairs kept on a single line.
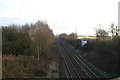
[[71, 39], [30, 39], [105, 44]]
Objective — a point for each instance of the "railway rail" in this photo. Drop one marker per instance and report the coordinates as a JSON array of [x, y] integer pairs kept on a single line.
[[74, 66]]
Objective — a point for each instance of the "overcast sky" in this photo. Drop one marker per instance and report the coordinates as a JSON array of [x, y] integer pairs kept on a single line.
[[63, 16]]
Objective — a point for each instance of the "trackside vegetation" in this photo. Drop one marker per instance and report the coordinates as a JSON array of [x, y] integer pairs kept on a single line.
[[28, 51], [27, 40]]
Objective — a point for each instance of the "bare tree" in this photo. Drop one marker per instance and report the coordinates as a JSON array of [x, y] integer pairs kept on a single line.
[[43, 38], [72, 36], [101, 33], [112, 29]]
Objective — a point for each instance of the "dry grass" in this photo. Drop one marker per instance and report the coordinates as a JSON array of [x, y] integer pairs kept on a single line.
[[24, 67], [29, 67], [86, 37]]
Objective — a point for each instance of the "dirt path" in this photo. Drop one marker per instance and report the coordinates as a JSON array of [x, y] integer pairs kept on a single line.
[[53, 70]]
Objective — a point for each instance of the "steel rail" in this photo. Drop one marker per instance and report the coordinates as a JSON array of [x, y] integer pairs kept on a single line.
[[79, 64], [79, 77], [82, 63], [88, 68], [85, 65], [65, 61], [66, 65]]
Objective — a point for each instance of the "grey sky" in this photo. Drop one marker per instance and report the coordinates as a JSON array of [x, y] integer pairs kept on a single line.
[[63, 16]]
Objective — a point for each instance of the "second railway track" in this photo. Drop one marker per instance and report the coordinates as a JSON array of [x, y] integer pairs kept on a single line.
[[75, 67]]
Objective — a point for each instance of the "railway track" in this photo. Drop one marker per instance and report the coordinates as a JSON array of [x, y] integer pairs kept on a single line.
[[74, 66]]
